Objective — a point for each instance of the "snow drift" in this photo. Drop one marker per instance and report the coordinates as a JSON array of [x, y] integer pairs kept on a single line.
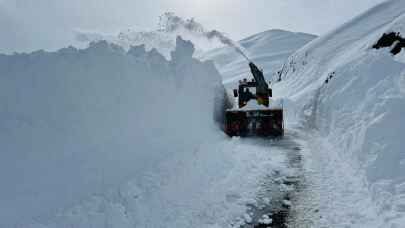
[[353, 95]]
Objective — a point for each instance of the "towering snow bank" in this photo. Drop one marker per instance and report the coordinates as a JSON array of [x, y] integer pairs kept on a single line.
[[76, 123], [354, 95], [268, 49]]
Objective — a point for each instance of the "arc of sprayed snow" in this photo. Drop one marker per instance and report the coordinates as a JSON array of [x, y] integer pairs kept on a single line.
[[227, 41], [171, 22]]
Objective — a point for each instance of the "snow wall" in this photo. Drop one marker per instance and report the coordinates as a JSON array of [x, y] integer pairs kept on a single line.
[[75, 123], [360, 111]]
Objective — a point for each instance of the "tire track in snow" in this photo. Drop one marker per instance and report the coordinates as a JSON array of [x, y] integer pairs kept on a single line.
[[334, 194], [278, 191]]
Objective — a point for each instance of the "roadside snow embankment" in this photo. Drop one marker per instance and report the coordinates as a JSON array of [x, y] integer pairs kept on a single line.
[[77, 122], [353, 96]]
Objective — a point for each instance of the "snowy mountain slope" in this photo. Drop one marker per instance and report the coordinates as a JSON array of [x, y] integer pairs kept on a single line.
[[268, 49], [358, 116]]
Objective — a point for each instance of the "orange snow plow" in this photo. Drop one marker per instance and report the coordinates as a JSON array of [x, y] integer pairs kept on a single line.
[[256, 120]]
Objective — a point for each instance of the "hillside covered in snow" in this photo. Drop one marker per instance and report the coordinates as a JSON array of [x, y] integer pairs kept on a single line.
[[351, 96]]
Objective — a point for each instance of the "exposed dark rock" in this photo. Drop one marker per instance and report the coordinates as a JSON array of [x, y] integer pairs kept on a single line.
[[390, 39]]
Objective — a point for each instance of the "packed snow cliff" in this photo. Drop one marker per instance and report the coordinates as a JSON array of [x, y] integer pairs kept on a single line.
[[76, 122]]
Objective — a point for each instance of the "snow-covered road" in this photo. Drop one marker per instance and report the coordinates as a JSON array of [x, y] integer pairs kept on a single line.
[[334, 192], [277, 194], [325, 188]]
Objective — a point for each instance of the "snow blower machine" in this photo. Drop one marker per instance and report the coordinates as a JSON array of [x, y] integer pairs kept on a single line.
[[254, 119]]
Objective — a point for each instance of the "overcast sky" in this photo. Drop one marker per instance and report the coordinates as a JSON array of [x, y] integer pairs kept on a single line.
[[49, 24]]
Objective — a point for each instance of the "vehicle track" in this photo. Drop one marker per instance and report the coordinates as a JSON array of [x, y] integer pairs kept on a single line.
[[276, 196]]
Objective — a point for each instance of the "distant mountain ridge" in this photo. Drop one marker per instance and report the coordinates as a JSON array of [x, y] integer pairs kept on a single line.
[[268, 49]]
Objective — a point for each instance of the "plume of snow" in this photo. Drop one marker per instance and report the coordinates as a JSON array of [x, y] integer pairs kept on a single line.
[[164, 38], [171, 23]]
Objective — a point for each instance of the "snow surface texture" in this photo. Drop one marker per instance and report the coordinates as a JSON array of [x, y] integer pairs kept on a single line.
[[358, 120], [268, 50]]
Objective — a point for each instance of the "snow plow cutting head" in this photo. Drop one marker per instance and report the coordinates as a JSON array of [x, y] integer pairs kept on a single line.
[[264, 123], [258, 120]]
